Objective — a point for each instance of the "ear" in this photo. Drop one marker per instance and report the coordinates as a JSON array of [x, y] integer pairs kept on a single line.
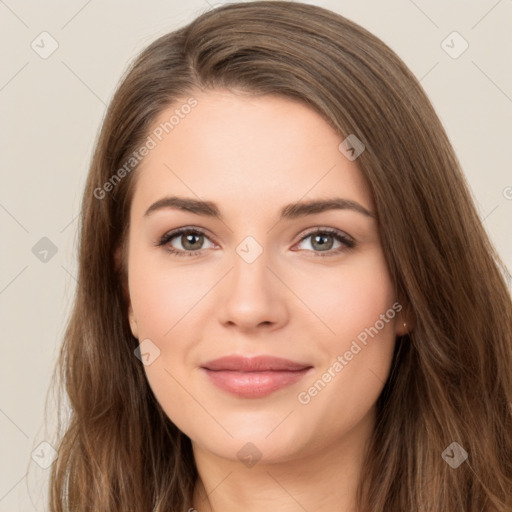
[[407, 316], [133, 322], [118, 254]]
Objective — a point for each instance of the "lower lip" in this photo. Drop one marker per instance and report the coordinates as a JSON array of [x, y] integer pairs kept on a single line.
[[254, 384]]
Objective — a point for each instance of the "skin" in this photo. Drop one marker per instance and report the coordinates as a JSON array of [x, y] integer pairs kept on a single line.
[[251, 156]]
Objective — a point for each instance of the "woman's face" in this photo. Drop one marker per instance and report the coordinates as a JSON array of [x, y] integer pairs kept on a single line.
[[251, 278]]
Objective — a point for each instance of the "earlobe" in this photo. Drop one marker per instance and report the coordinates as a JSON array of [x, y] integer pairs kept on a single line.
[[405, 320], [133, 322], [405, 324]]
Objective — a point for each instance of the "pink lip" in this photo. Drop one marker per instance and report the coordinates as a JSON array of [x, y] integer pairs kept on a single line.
[[254, 377]]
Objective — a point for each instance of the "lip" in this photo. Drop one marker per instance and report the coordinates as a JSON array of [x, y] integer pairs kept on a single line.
[[254, 377]]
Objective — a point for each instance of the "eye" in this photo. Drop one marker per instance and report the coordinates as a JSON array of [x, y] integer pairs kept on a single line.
[[323, 240], [190, 240]]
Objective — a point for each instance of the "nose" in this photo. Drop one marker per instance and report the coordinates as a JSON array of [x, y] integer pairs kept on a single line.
[[252, 295]]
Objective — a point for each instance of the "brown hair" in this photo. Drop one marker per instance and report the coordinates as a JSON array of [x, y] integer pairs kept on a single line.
[[451, 379]]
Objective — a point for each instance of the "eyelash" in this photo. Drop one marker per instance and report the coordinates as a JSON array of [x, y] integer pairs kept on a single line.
[[349, 243]]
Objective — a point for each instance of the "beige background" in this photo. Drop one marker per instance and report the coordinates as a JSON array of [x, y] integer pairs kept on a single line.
[[51, 110]]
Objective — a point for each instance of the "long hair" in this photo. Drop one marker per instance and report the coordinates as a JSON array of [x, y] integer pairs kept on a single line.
[[451, 378]]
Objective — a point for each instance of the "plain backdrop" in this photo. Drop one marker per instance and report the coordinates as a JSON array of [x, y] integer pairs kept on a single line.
[[52, 107]]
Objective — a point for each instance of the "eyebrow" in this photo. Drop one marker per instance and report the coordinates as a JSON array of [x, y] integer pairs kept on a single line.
[[290, 211]]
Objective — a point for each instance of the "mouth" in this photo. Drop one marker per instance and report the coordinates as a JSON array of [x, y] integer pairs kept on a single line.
[[254, 377]]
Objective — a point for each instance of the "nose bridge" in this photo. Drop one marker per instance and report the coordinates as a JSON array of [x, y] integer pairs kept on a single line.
[[251, 295], [250, 262]]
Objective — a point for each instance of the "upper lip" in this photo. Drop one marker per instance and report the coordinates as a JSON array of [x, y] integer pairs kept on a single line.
[[254, 364]]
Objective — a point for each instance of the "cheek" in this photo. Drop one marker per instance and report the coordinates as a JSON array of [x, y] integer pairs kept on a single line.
[[348, 299], [165, 301], [162, 301], [161, 294], [357, 307]]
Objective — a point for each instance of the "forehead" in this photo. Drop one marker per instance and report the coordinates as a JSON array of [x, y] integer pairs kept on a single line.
[[246, 152]]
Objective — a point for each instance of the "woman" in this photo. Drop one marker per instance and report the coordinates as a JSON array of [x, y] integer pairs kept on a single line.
[[338, 335]]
